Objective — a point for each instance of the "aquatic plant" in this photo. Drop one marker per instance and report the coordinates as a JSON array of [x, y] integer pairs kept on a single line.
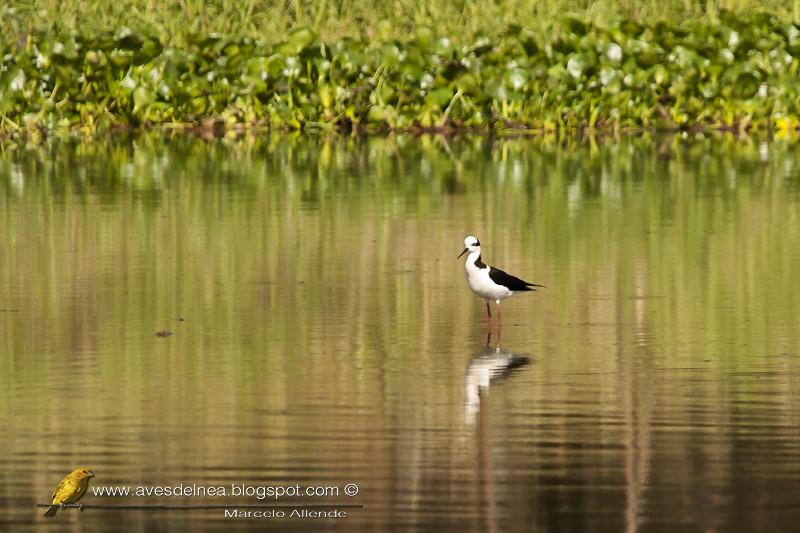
[[735, 72]]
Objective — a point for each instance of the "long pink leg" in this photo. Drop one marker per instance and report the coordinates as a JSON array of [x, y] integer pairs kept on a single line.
[[499, 322], [488, 324]]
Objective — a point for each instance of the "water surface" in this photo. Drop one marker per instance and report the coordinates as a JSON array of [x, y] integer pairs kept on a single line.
[[323, 332]]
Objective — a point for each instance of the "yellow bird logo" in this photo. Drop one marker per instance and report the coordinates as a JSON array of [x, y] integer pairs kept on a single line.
[[70, 490]]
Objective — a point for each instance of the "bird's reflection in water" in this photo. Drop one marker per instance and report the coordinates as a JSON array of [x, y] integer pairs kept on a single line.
[[485, 368]]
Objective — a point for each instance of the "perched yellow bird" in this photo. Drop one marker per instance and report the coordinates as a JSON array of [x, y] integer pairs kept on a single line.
[[70, 490]]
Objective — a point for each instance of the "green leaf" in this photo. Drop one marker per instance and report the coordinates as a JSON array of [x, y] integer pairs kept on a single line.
[[142, 97], [380, 113], [13, 80], [574, 25], [297, 41], [439, 97], [576, 65], [424, 37], [516, 79], [528, 42]]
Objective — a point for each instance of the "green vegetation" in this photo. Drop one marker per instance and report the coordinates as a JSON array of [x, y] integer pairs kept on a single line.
[[177, 21], [417, 68]]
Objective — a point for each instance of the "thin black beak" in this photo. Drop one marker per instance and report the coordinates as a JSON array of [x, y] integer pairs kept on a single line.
[[462, 253]]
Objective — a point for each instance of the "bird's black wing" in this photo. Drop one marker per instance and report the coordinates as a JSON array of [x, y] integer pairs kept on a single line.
[[513, 283]]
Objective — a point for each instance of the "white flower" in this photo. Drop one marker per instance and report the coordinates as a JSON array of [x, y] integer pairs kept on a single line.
[[614, 53]]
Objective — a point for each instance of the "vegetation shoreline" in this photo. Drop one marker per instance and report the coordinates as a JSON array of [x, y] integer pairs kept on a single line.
[[736, 72]]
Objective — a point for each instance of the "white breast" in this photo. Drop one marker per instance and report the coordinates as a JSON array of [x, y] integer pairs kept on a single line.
[[480, 282]]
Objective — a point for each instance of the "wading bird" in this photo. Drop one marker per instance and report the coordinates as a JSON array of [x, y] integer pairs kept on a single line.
[[490, 283], [70, 490]]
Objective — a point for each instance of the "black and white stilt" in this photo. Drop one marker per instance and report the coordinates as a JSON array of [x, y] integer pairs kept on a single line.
[[490, 283]]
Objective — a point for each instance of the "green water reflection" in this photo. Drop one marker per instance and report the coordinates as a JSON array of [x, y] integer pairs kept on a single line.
[[323, 330]]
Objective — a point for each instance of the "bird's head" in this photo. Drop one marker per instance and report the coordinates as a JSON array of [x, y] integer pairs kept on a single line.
[[82, 473], [471, 244]]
